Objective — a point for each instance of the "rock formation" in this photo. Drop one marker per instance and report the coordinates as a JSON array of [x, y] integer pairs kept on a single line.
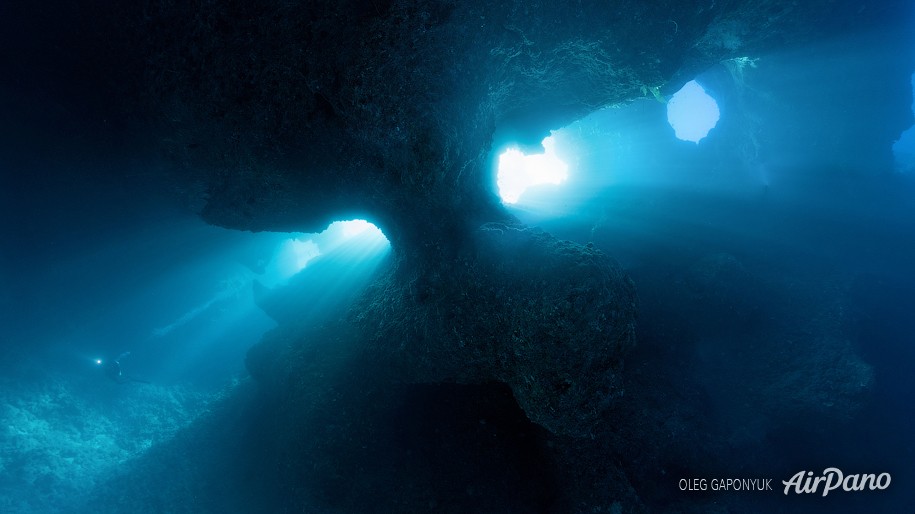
[[286, 117]]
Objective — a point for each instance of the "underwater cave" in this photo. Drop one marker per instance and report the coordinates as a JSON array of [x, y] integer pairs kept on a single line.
[[435, 256]]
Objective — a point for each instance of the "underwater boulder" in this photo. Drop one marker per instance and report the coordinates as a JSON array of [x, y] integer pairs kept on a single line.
[[552, 319]]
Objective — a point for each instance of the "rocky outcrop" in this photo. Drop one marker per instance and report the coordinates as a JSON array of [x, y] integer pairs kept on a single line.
[[552, 319]]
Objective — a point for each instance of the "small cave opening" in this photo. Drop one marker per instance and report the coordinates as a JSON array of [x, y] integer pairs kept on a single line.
[[692, 112], [312, 276], [518, 171], [350, 243]]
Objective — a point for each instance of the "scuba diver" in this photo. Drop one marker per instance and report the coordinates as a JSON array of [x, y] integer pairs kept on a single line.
[[113, 371]]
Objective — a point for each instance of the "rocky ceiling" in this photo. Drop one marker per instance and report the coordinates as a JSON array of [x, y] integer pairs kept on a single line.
[[290, 115]]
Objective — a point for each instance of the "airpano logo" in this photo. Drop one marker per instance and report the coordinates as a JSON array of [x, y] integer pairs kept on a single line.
[[803, 482]]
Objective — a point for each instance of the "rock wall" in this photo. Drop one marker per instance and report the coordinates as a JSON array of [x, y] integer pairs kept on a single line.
[[552, 319]]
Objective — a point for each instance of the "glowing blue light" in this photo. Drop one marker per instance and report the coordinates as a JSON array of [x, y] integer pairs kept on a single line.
[[295, 253], [517, 171], [98, 361], [692, 112], [355, 227]]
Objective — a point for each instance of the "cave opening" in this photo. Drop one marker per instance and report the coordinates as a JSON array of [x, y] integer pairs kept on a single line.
[[349, 242], [692, 112], [312, 277], [578, 166], [518, 172]]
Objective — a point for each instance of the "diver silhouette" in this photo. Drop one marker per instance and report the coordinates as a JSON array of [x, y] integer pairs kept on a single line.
[[112, 369]]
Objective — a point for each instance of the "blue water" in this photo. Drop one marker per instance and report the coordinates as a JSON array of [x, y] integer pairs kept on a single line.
[[773, 260]]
